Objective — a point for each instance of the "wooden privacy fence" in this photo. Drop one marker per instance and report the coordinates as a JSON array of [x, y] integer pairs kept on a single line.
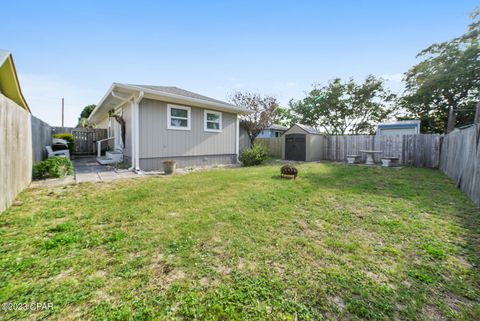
[[421, 150], [85, 138], [15, 151], [41, 137], [274, 145], [460, 160]]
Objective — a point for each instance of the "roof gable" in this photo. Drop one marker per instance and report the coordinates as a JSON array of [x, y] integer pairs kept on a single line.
[[305, 128]]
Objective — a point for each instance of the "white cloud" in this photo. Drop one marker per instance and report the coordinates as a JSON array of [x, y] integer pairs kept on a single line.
[[44, 93]]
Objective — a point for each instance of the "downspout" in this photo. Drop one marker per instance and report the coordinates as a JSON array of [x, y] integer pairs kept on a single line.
[[129, 100], [237, 140], [136, 101]]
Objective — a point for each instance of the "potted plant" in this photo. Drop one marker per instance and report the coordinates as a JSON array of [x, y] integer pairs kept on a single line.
[[169, 166]]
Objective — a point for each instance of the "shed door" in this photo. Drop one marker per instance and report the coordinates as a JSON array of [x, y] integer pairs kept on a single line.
[[295, 147]]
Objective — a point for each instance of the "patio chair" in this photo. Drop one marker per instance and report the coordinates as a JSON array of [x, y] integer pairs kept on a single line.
[[58, 153]]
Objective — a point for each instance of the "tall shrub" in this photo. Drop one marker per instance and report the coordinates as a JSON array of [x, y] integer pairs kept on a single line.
[[255, 155]]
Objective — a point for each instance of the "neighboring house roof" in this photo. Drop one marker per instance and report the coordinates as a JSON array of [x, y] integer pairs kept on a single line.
[[9, 85], [168, 94], [309, 129], [277, 127], [401, 123]]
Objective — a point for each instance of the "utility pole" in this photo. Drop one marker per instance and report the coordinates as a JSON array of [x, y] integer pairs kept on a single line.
[[63, 111]]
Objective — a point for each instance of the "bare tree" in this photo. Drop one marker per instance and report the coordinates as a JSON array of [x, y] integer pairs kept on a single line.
[[266, 112]]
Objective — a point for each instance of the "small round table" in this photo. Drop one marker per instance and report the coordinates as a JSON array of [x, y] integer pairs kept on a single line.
[[370, 154]]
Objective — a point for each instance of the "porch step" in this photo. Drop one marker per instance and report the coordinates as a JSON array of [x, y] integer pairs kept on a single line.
[[104, 160], [117, 156]]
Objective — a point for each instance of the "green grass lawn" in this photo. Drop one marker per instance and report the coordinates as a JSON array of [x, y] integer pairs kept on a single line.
[[339, 242]]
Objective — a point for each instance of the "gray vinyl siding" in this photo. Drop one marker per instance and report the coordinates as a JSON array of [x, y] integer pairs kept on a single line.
[[157, 141]]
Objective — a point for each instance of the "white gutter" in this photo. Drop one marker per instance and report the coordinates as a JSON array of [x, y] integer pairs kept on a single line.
[[129, 100]]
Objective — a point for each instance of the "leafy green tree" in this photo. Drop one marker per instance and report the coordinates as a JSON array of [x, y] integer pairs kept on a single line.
[[283, 116], [83, 119], [344, 107], [447, 77]]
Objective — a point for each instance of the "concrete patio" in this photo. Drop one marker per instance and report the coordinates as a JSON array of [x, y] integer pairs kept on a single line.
[[87, 169]]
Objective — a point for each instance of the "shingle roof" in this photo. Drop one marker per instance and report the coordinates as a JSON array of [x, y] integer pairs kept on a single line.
[[277, 127], [309, 129], [181, 92]]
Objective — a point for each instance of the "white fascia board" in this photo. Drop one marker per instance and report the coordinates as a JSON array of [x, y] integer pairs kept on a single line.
[[97, 107], [107, 95]]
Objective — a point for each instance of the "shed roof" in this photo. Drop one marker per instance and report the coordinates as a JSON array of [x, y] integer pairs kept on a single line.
[[309, 129], [277, 127]]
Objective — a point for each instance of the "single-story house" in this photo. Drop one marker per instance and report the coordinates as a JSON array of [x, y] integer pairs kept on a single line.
[[150, 124], [403, 127], [273, 131], [302, 143]]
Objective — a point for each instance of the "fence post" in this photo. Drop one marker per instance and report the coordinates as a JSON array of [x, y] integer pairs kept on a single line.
[[476, 120]]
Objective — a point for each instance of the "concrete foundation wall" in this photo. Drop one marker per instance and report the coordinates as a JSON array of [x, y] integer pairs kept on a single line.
[[155, 164]]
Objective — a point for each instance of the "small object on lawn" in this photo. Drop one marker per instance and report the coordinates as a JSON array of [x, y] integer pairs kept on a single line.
[[370, 155], [289, 171], [169, 166], [352, 159], [390, 161]]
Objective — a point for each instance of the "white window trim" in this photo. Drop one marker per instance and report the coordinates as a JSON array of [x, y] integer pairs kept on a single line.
[[205, 112], [169, 117]]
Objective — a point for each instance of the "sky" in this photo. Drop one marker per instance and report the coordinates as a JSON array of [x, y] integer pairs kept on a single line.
[[77, 49]]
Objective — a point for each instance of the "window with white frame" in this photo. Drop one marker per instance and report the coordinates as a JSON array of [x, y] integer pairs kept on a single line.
[[179, 117], [213, 121]]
